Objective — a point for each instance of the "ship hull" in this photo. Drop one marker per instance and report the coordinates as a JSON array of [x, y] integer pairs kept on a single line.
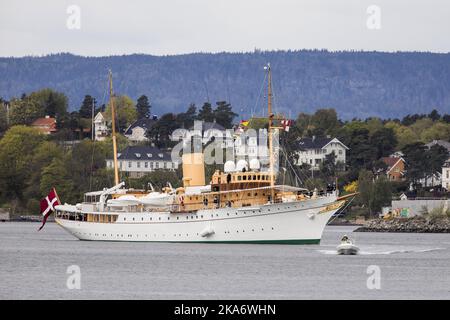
[[285, 223]]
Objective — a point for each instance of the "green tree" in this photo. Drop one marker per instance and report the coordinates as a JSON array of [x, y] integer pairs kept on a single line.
[[325, 122], [160, 133], [3, 117], [438, 131], [373, 193], [381, 194], [416, 162], [302, 126], [86, 106], [16, 149], [365, 184], [384, 141], [125, 110], [206, 113], [434, 115], [42, 156], [224, 115], [143, 107], [361, 153], [51, 102], [436, 157], [186, 119], [57, 175], [24, 111]]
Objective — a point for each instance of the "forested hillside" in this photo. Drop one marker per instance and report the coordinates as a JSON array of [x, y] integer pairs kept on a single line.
[[356, 84]]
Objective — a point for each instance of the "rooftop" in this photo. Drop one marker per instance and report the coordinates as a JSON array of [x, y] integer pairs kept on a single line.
[[315, 142], [442, 143], [209, 126], [391, 161], [143, 153], [145, 123]]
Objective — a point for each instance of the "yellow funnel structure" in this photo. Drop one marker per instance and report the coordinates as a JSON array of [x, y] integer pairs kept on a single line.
[[193, 169]]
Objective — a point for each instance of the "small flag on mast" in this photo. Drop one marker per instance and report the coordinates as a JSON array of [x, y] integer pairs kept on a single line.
[[48, 205], [286, 124]]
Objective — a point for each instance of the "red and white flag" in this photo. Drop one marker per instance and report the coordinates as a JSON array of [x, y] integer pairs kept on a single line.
[[286, 124], [48, 205]]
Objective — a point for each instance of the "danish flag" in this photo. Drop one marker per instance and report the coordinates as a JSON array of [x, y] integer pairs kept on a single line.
[[48, 205], [286, 124]]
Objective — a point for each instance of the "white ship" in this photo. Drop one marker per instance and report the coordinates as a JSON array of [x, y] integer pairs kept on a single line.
[[237, 206]]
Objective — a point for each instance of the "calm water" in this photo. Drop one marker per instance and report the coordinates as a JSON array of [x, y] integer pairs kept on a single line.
[[34, 264]]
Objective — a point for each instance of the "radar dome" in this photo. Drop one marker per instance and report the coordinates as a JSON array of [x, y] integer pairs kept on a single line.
[[241, 164], [254, 164], [229, 166]]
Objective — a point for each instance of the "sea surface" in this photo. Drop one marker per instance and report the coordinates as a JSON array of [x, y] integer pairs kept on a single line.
[[35, 265]]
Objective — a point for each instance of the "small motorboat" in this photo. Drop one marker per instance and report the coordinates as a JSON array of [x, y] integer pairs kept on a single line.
[[347, 246]]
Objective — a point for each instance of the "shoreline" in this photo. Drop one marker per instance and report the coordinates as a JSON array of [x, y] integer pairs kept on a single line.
[[408, 225]]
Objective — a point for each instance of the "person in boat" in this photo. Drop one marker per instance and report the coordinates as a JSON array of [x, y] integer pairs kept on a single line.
[[345, 238]]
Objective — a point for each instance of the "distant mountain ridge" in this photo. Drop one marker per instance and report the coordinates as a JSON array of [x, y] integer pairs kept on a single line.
[[356, 84]]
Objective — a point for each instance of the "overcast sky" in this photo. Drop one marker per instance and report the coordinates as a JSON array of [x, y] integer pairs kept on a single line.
[[182, 26]]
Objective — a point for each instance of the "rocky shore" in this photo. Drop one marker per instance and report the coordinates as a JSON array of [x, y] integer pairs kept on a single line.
[[416, 224]]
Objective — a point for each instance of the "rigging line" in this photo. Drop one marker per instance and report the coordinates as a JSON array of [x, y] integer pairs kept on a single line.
[[259, 95], [291, 166], [92, 165], [94, 143], [340, 210]]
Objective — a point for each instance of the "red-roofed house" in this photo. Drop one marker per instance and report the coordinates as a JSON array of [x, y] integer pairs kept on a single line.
[[46, 125], [395, 170]]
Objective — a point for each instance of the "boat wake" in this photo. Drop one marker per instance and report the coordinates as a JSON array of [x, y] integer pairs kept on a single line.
[[383, 251]]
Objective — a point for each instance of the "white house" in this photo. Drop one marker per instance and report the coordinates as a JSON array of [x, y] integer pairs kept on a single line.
[[137, 131], [136, 161], [313, 151], [446, 175], [100, 127]]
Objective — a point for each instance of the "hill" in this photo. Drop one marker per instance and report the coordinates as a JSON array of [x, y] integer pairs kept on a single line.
[[356, 84]]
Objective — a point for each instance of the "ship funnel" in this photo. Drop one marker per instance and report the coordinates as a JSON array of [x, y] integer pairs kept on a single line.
[[193, 170]]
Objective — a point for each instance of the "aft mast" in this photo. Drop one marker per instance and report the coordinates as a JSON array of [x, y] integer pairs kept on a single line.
[[270, 115], [113, 117]]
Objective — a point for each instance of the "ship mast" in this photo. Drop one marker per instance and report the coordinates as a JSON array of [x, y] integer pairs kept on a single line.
[[270, 115], [113, 117]]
